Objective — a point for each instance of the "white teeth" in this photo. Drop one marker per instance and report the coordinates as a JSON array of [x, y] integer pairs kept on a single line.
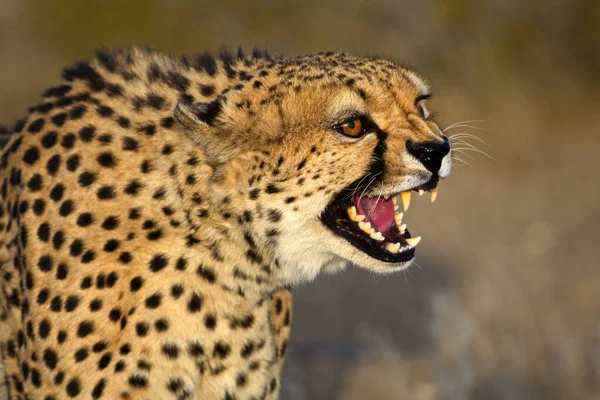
[[366, 227], [413, 242], [402, 228], [393, 247], [377, 236], [398, 218], [395, 200], [387, 197], [405, 196], [354, 215], [434, 194], [421, 191]]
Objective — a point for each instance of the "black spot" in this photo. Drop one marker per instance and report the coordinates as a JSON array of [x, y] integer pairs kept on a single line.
[[221, 350], [73, 162], [114, 314], [39, 206], [153, 301], [106, 159], [66, 208], [73, 387], [43, 296], [105, 111], [71, 303], [138, 381], [62, 271], [195, 303], [206, 273], [170, 350], [195, 349], [125, 257], [106, 138], [85, 219], [81, 354], [136, 283], [176, 291], [123, 122], [85, 72], [44, 328], [57, 91], [49, 139], [77, 112], [88, 256], [272, 188], [130, 144], [57, 192], [161, 325], [98, 389], [207, 90], [87, 133], [31, 155], [44, 232], [68, 141], [45, 263], [104, 361], [142, 328], [133, 187], [158, 262], [111, 245], [36, 125], [167, 122], [50, 358], [110, 223], [210, 321], [85, 328], [106, 193], [96, 305], [59, 119], [86, 282]]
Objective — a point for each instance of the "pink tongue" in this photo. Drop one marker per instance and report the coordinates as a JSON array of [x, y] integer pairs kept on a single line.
[[379, 211]]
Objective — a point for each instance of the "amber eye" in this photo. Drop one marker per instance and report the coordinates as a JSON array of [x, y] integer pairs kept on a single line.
[[353, 128]]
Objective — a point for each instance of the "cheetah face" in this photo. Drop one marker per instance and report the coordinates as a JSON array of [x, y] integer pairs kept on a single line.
[[329, 167]]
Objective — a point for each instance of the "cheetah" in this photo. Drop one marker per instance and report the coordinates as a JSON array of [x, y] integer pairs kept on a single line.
[[156, 211]]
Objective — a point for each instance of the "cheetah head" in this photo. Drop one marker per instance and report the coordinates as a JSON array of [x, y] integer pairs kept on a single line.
[[322, 153]]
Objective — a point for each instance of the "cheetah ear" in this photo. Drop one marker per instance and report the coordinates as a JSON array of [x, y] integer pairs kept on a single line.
[[194, 115], [198, 121]]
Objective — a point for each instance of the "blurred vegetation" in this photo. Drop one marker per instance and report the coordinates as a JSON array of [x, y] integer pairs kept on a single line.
[[505, 302]]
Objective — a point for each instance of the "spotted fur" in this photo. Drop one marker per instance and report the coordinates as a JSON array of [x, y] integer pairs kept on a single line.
[[153, 212]]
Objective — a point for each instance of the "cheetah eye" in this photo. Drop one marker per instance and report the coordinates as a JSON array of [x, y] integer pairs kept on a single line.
[[353, 128]]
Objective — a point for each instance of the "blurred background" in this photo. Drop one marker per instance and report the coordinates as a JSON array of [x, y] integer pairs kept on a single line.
[[505, 300]]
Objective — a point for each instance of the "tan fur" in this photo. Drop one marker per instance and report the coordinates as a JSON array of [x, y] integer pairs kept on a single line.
[[237, 197]]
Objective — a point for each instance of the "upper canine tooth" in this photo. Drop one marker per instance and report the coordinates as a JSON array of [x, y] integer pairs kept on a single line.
[[421, 191], [434, 194], [387, 197], [405, 196], [402, 228], [393, 247], [413, 242], [377, 236], [354, 215]]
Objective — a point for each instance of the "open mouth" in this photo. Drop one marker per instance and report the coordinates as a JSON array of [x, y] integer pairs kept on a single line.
[[374, 225]]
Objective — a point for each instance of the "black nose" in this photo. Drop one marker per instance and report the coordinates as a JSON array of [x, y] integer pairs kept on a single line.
[[430, 154]]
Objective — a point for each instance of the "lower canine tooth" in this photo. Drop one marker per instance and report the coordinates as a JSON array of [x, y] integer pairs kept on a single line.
[[434, 194], [377, 236], [402, 228], [413, 242], [405, 196], [393, 247]]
